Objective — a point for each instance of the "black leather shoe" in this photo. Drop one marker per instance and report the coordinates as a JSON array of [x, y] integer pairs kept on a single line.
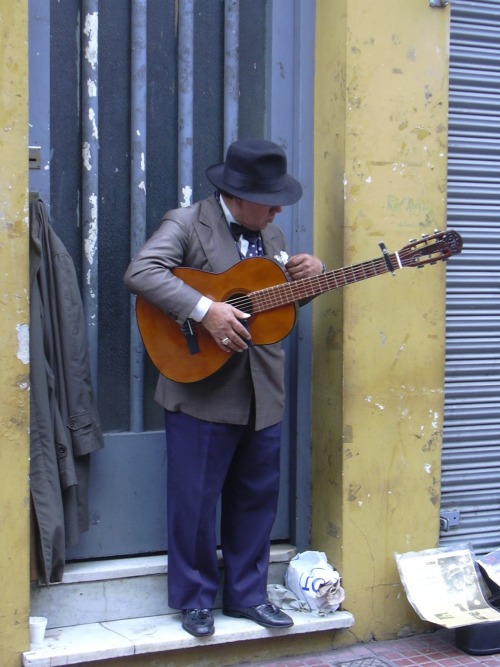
[[266, 615], [198, 622]]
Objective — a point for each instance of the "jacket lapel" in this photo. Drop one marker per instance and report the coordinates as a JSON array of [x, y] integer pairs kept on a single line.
[[217, 242], [216, 239], [272, 240]]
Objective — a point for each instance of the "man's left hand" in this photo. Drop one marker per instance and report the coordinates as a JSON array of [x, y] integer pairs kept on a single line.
[[303, 266]]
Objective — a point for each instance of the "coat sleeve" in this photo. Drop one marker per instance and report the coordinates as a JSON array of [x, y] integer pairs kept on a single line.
[[82, 418], [150, 276]]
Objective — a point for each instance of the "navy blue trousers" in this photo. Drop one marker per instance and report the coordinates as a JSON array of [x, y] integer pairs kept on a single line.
[[206, 461]]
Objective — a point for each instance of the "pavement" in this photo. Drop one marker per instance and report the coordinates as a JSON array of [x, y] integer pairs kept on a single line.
[[436, 649]]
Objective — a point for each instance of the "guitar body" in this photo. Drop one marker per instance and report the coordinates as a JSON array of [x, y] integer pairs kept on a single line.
[[258, 286], [166, 342]]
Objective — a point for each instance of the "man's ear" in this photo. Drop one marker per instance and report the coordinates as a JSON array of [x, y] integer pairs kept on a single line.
[[234, 205]]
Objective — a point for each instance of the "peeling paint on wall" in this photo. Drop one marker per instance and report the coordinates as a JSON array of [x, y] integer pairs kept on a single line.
[[90, 243], [353, 491], [91, 88], [90, 30], [23, 343], [187, 193], [95, 132], [369, 399], [86, 156], [347, 435]]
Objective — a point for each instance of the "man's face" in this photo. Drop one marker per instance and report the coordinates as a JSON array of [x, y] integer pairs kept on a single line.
[[253, 216]]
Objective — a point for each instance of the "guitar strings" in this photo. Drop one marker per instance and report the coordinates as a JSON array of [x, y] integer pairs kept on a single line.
[[290, 292]]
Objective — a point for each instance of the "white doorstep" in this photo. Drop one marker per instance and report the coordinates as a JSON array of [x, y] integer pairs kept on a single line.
[[119, 639], [122, 588]]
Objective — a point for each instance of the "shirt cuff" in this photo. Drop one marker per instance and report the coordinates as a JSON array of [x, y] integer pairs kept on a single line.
[[201, 309]]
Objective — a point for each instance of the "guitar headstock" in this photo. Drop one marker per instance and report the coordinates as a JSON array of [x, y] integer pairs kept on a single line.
[[431, 248]]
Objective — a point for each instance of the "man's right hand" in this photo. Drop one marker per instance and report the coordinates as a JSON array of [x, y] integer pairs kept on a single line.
[[223, 321]]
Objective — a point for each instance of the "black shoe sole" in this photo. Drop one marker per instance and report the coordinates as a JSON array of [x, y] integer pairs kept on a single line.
[[238, 614]]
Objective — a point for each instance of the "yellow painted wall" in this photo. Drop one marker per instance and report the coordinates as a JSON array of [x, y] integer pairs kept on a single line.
[[380, 175], [14, 378]]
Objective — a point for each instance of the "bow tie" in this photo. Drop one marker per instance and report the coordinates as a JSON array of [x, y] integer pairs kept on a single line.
[[249, 234]]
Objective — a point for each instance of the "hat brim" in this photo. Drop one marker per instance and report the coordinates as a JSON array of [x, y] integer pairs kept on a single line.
[[289, 193]]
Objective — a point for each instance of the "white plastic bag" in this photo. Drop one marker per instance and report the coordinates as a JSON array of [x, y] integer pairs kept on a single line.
[[312, 579]]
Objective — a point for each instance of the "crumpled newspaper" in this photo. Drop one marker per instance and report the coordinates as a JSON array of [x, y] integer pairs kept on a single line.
[[314, 584]]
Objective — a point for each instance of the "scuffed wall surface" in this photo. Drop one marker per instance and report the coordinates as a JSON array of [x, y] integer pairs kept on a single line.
[[380, 175], [14, 335]]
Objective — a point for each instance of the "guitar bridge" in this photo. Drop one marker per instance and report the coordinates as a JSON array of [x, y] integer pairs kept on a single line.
[[190, 336]]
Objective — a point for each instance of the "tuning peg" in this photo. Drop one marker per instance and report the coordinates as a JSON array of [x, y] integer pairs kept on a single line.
[[413, 241], [425, 236]]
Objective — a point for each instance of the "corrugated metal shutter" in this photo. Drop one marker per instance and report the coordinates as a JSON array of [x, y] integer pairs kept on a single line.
[[471, 447]]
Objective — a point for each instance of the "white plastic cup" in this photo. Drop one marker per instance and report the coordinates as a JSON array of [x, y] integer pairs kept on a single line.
[[37, 630]]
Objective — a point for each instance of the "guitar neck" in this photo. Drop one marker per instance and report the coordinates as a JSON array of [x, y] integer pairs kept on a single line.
[[306, 288]]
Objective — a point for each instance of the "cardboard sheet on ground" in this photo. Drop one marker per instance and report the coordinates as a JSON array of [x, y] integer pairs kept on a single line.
[[443, 586]]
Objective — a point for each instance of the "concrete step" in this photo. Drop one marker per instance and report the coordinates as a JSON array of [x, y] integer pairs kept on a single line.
[[151, 638], [118, 589], [117, 609]]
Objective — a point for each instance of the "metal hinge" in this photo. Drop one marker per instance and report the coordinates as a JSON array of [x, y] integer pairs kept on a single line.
[[448, 519], [439, 3], [35, 157]]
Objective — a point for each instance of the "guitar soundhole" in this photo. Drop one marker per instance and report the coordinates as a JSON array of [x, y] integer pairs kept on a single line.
[[242, 302]]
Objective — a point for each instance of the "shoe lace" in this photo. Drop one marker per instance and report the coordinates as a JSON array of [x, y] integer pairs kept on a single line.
[[202, 614], [271, 608]]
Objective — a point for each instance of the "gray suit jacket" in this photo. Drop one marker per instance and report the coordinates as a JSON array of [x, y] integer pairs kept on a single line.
[[198, 237]]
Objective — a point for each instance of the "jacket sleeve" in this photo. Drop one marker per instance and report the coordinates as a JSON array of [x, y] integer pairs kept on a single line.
[[150, 276], [82, 418]]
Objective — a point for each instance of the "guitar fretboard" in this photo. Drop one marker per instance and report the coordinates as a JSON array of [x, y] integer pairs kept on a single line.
[[280, 295]]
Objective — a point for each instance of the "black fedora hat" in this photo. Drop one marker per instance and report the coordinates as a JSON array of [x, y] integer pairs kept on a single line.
[[256, 170]]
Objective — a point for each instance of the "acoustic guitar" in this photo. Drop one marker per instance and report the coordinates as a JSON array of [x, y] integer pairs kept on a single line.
[[258, 286]]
